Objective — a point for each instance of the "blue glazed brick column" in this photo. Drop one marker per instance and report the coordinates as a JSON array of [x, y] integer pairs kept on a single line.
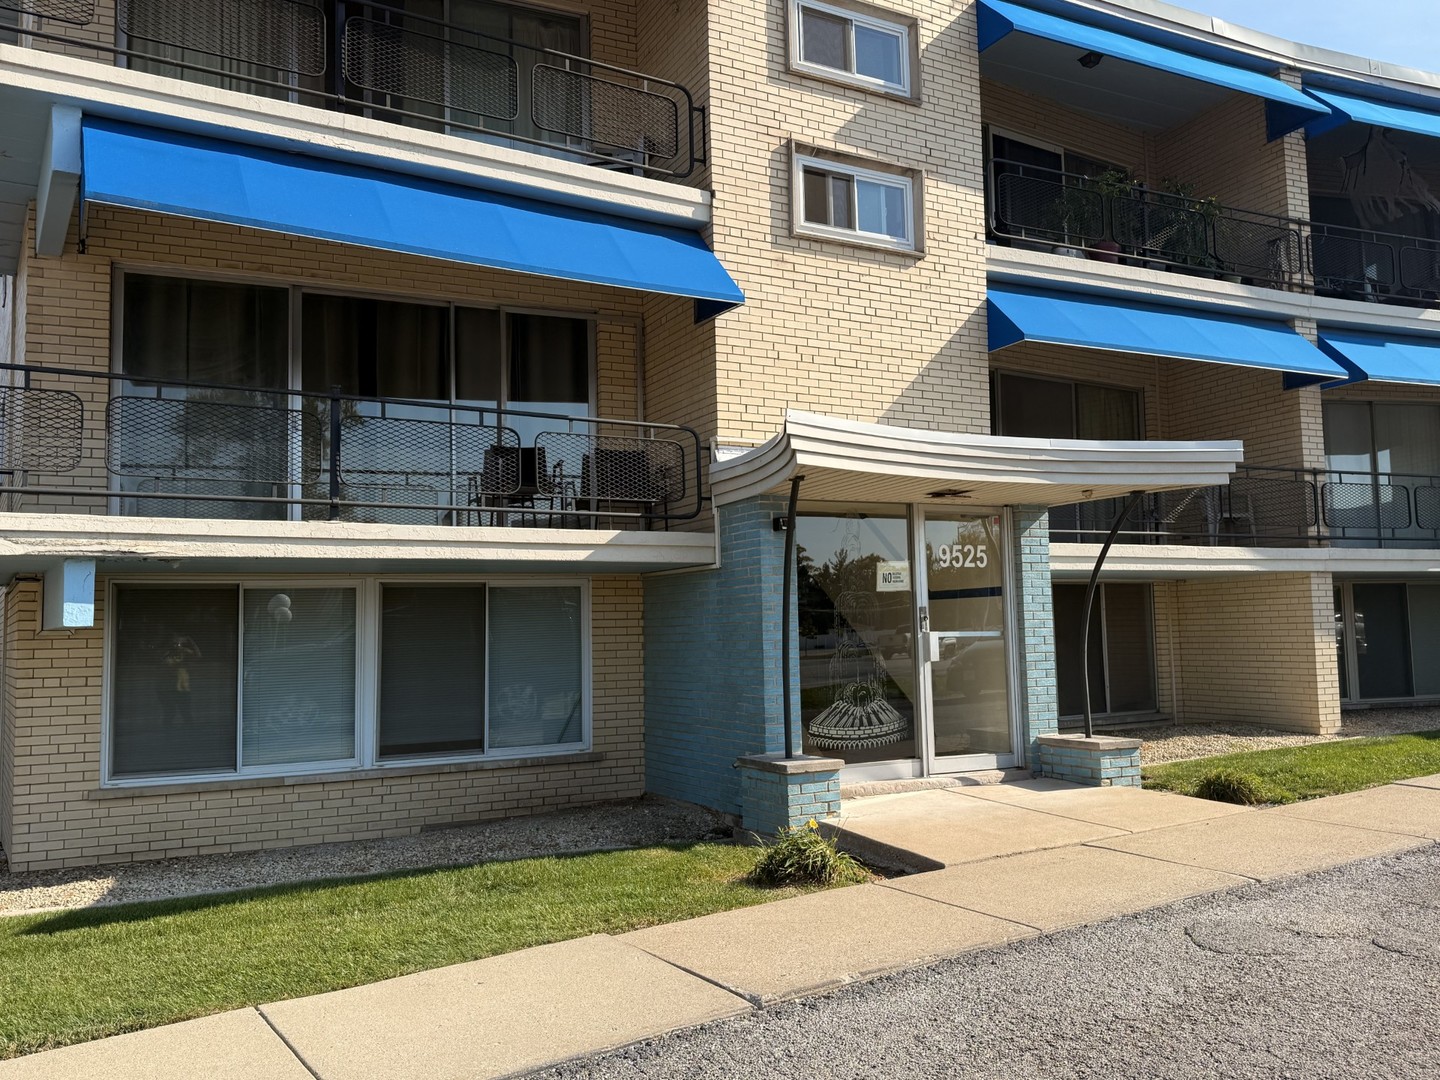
[[779, 794], [1099, 761], [712, 662], [1036, 631]]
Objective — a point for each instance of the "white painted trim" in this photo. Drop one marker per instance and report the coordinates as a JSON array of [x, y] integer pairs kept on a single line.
[[800, 162], [1051, 471], [1159, 562], [122, 94], [897, 28], [30, 541], [1046, 271], [59, 185]]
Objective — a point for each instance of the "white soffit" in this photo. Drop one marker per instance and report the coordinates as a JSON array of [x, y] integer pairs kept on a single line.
[[843, 460]]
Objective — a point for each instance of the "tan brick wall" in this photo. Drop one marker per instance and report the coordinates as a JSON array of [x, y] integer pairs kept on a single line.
[[1218, 401], [1224, 152], [1258, 650], [52, 743], [1047, 121], [833, 327], [7, 727]]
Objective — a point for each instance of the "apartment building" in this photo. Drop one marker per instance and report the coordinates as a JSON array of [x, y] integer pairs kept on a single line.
[[421, 412]]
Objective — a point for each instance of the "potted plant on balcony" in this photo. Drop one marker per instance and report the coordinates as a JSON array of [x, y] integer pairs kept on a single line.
[[1111, 184], [1186, 232], [1077, 217]]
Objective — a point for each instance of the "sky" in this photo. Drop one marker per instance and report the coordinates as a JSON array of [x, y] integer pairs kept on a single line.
[[1400, 31]]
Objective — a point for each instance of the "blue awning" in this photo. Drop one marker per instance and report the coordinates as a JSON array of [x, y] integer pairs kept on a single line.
[[1384, 357], [1346, 108], [215, 180], [998, 18], [1020, 313]]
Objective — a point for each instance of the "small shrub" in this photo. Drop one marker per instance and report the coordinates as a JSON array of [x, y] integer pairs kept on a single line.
[[803, 857], [1227, 785]]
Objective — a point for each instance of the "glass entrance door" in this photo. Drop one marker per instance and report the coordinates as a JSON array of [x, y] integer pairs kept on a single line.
[[965, 667]]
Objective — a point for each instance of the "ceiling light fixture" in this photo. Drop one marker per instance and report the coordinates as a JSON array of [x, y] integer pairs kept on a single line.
[[1091, 59], [949, 493]]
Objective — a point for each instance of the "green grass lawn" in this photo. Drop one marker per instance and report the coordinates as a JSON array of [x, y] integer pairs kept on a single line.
[[89, 973], [1308, 772]]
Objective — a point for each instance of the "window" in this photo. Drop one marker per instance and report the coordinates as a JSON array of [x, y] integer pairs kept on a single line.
[[204, 441], [846, 202], [841, 44], [225, 678], [1122, 649], [1031, 407], [278, 678]]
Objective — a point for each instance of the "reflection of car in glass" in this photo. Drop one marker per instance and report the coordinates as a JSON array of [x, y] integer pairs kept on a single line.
[[892, 643], [973, 669]]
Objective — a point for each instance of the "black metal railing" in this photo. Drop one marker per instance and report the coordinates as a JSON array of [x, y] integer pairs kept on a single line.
[[1271, 507], [164, 448], [1138, 225], [1120, 222], [396, 65]]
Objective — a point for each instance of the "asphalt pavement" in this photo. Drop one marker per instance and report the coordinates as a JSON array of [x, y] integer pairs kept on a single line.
[[1333, 975]]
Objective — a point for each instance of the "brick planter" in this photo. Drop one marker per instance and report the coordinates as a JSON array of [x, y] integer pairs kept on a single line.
[[777, 792], [1099, 761]]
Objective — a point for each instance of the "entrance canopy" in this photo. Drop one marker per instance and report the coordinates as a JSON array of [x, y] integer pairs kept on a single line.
[[1018, 313], [216, 180], [843, 460]]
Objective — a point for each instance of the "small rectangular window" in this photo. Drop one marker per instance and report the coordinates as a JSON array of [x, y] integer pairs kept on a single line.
[[846, 45], [845, 202]]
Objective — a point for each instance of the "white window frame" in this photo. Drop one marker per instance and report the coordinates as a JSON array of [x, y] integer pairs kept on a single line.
[[856, 174], [897, 28], [366, 759]]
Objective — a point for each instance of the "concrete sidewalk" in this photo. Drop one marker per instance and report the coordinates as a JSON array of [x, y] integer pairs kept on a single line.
[[1014, 861]]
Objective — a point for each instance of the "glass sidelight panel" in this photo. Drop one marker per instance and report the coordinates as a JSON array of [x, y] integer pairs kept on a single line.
[[856, 634], [965, 650], [1424, 603]]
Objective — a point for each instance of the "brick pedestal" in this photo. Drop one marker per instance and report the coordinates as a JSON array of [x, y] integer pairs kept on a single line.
[[1100, 761], [784, 793]]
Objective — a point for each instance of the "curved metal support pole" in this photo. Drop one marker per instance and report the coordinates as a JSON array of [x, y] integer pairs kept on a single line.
[[785, 614], [1090, 601]]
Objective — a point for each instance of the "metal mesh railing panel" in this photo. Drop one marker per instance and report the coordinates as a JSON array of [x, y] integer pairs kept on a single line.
[[388, 452], [210, 440], [41, 430], [403, 63], [1339, 261], [1267, 506], [1167, 231], [614, 467], [287, 35], [1036, 205], [1362, 506], [1427, 507], [605, 113], [1256, 249], [1420, 268], [426, 499], [74, 12]]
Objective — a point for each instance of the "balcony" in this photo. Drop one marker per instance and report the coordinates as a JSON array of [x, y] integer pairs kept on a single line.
[[1266, 507], [96, 442], [397, 65], [1109, 219]]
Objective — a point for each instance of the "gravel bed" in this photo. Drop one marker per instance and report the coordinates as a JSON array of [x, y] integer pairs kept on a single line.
[[626, 824], [1182, 742]]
